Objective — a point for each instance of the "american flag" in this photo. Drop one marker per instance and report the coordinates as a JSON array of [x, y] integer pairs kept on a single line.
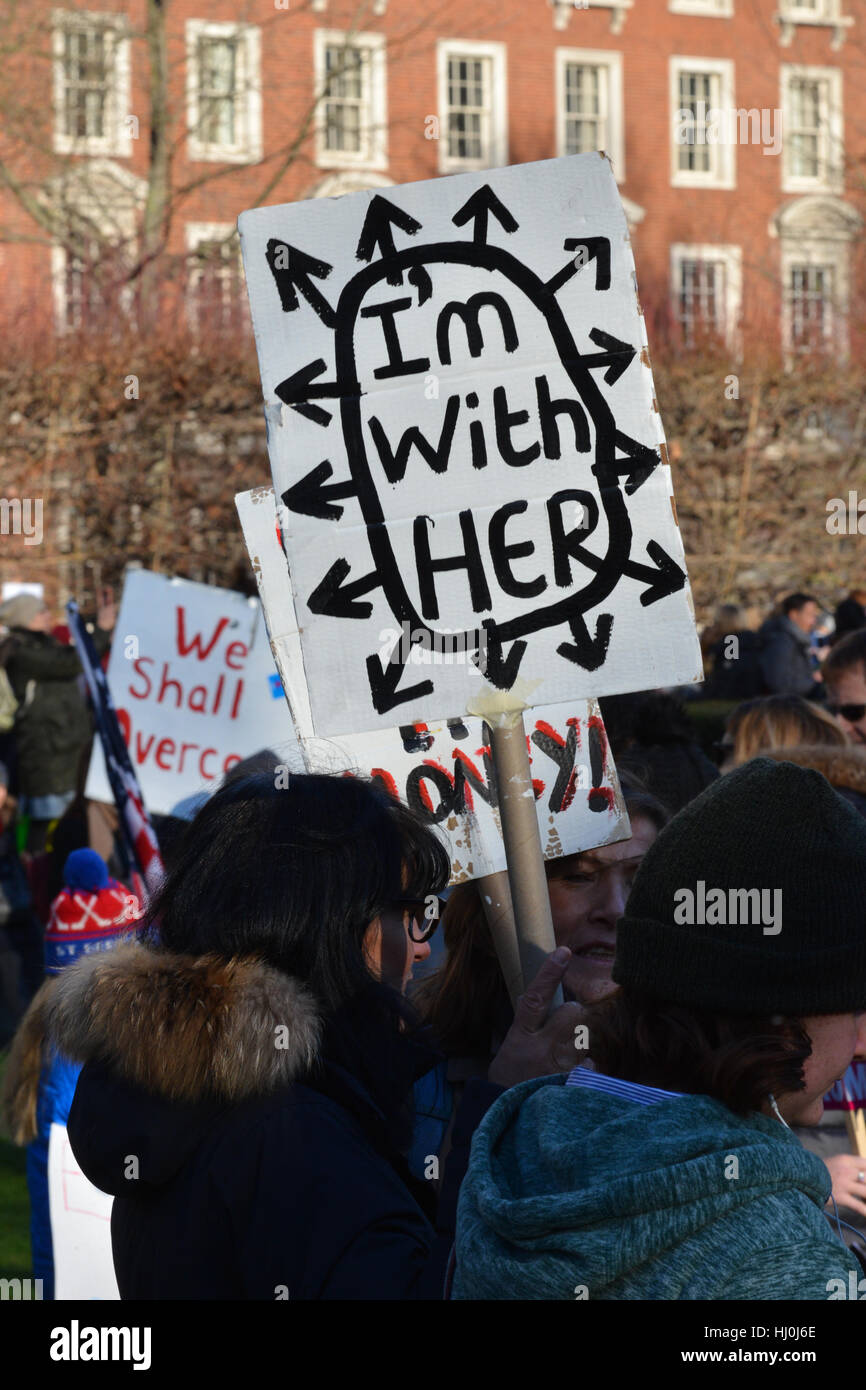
[[136, 832]]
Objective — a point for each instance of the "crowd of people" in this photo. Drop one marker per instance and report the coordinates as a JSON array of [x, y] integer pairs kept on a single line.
[[285, 1100]]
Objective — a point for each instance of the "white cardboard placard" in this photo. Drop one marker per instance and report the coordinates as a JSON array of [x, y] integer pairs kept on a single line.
[[80, 1227], [463, 431], [444, 769], [194, 683]]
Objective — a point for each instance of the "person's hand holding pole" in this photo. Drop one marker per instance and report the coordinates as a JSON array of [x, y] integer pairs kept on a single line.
[[540, 1043]]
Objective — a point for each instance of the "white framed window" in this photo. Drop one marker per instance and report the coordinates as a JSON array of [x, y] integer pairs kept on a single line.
[[352, 111], [816, 233], [91, 68], [223, 92], [815, 12], [90, 288], [811, 292], [720, 9], [706, 291], [812, 146], [701, 96], [473, 106], [589, 104], [215, 294]]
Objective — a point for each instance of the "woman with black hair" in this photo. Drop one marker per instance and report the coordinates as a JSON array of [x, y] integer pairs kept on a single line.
[[248, 1062]]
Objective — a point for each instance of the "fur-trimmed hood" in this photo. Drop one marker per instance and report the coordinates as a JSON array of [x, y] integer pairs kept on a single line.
[[185, 1028], [844, 768]]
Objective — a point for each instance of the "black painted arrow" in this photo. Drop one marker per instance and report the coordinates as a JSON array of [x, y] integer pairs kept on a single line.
[[310, 496], [616, 357], [296, 391], [586, 651], [377, 232], [296, 276], [478, 209], [664, 575], [336, 599], [384, 683], [639, 462], [597, 249], [500, 670]]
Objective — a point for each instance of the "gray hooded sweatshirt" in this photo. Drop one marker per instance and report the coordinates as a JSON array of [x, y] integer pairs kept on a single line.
[[574, 1194]]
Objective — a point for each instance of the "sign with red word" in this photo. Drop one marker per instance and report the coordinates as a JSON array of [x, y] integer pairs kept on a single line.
[[444, 770], [193, 680], [464, 435], [850, 1092]]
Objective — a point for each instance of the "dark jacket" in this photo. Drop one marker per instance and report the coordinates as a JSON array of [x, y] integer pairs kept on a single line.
[[239, 1169], [785, 662], [52, 724]]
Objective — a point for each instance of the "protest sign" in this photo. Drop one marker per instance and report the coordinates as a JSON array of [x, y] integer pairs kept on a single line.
[[464, 363], [80, 1227], [444, 770], [849, 1096], [193, 680]]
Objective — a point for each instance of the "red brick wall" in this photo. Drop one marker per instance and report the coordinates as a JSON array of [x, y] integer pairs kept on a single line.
[[650, 35]]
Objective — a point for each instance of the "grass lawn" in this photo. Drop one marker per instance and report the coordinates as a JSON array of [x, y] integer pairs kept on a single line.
[[14, 1208]]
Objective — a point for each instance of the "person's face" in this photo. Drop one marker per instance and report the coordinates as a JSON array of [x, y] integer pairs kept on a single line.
[[849, 689], [587, 897], [42, 621], [391, 953], [837, 1041], [805, 617]]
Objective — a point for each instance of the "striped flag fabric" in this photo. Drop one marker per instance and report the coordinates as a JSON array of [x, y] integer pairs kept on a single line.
[[136, 832]]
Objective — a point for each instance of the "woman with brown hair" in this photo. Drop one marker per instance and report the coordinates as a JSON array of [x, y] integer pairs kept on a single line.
[[466, 1003], [777, 721]]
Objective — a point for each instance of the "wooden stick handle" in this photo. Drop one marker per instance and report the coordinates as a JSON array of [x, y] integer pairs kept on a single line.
[[523, 852], [496, 901], [855, 1123]]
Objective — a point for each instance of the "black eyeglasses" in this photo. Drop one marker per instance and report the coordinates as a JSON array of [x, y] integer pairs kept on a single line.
[[424, 915], [852, 713]]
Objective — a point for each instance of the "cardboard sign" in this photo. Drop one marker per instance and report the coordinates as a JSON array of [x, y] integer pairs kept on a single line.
[[444, 770], [80, 1227], [850, 1092], [463, 433], [193, 680]]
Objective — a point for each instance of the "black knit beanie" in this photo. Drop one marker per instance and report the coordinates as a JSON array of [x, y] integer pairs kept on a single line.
[[784, 932]]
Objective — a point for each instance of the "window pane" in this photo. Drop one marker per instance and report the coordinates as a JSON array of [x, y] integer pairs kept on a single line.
[[701, 299], [218, 61], [346, 77], [469, 108], [698, 93], [86, 68], [585, 114], [811, 300]]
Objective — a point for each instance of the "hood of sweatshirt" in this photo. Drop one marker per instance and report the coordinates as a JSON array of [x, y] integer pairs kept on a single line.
[[573, 1192]]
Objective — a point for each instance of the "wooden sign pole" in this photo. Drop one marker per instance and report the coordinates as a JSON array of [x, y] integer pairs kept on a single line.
[[855, 1123], [529, 895], [496, 901]]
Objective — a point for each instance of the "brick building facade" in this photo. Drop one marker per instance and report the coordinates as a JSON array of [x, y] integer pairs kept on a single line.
[[736, 128]]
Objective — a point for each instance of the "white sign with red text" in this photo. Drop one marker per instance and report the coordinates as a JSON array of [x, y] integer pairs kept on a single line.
[[193, 679], [444, 770], [80, 1227]]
